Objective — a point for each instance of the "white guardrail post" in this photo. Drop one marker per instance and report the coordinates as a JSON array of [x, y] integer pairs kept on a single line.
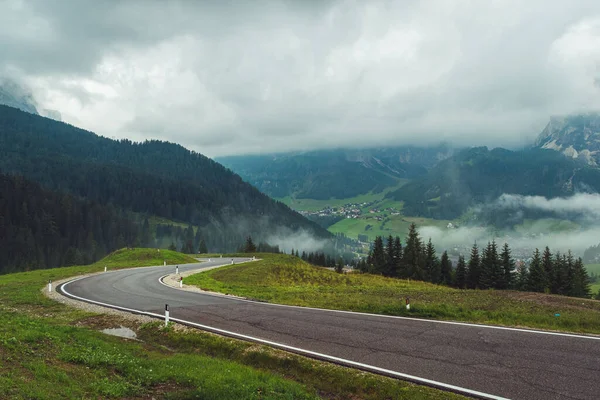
[[166, 315]]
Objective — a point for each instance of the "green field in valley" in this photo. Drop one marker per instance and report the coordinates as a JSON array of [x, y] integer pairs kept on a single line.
[[288, 280], [51, 351], [395, 225], [316, 205]]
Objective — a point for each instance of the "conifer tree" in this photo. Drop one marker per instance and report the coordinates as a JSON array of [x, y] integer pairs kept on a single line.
[[446, 269], [250, 247], [485, 277], [548, 265], [569, 273], [389, 257], [378, 257], [432, 265], [398, 257], [581, 281], [460, 280], [522, 276], [508, 268], [474, 268], [413, 254], [558, 279], [537, 281], [202, 249]]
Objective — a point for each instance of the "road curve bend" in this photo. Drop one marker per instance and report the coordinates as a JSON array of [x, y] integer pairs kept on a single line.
[[476, 360]]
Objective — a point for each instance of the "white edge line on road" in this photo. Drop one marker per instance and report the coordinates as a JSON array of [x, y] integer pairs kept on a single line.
[[312, 354], [503, 328]]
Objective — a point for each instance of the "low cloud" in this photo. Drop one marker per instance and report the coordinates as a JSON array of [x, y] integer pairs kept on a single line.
[[579, 229], [584, 204], [522, 243], [301, 241]]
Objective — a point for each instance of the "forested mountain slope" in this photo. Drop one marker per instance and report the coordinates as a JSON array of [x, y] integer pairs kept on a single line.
[[326, 174], [479, 175], [153, 177], [43, 229]]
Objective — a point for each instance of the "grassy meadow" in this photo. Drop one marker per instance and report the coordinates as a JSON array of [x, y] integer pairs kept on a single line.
[[51, 351], [288, 280]]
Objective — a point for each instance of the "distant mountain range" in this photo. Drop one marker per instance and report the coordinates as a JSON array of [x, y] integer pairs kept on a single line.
[[444, 183], [339, 174], [479, 175]]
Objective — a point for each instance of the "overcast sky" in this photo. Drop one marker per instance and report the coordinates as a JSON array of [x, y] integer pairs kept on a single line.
[[231, 77]]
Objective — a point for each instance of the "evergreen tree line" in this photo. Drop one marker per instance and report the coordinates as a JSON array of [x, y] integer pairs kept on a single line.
[[43, 229], [487, 268], [250, 247]]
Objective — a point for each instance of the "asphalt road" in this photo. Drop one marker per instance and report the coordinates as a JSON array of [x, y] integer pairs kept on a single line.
[[512, 364]]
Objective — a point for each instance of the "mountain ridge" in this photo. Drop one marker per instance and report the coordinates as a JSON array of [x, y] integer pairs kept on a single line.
[[158, 178]]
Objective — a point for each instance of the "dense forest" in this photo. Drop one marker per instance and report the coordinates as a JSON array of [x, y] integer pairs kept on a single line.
[[478, 176], [149, 178], [487, 268], [43, 229]]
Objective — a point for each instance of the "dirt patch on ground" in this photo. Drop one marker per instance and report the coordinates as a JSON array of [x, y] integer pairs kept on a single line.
[[556, 301]]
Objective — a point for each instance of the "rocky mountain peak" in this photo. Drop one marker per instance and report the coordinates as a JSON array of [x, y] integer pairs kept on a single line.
[[13, 94], [576, 136]]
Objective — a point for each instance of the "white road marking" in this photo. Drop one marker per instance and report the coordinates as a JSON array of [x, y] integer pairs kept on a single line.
[[337, 360], [503, 328]]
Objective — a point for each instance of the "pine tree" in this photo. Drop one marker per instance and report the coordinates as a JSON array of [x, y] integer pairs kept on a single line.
[[432, 264], [485, 277], [508, 268], [460, 280], [537, 281], [413, 259], [378, 259], [389, 257], [548, 266], [474, 268], [202, 249], [249, 247], [581, 281], [558, 279], [446, 269], [398, 257], [522, 276]]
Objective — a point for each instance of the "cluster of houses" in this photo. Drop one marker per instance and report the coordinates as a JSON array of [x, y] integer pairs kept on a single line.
[[353, 210]]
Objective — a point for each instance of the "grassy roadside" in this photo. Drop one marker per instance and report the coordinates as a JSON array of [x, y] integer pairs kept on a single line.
[[51, 351], [288, 280]]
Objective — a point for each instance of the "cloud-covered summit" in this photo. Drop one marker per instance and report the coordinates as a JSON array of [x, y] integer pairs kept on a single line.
[[237, 77]]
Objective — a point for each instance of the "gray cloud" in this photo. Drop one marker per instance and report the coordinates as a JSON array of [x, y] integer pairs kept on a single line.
[[236, 77]]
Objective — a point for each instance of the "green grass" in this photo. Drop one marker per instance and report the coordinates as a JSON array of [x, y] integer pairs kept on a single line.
[[395, 225], [288, 280], [593, 268], [51, 351], [546, 225], [144, 257], [315, 205]]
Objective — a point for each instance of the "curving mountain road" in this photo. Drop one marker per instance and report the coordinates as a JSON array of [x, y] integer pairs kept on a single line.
[[482, 361]]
